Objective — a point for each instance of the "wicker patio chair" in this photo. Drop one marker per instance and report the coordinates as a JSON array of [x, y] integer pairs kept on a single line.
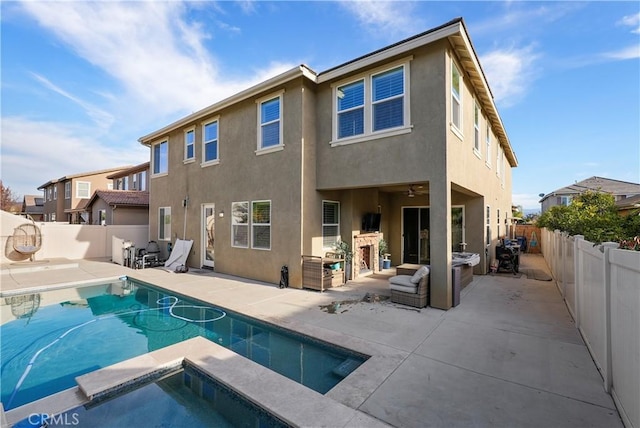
[[419, 299]]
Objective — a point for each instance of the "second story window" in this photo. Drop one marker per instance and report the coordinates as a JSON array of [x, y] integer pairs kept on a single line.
[[270, 123], [49, 193], [210, 141], [476, 128], [55, 193], [350, 100], [374, 105], [67, 190], [160, 155], [83, 189], [488, 144], [189, 141], [387, 92], [456, 97]]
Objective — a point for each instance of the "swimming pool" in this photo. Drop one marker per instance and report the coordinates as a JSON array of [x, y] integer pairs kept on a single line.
[[49, 338], [187, 398]]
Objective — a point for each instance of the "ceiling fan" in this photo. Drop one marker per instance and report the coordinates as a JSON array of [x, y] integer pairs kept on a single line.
[[415, 190]]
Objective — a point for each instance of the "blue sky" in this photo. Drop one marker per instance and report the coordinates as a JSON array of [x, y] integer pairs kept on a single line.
[[82, 81]]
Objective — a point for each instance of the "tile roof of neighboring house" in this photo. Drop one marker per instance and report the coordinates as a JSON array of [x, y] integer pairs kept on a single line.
[[132, 170], [33, 204], [606, 185], [83, 174], [122, 197]]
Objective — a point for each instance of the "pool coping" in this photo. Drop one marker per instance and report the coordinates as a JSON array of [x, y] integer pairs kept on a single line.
[[286, 399]]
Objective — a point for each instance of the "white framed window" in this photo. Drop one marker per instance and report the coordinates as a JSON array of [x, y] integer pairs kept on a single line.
[[270, 123], [102, 217], [83, 189], [164, 224], [261, 225], [476, 128], [350, 105], [488, 225], [210, 141], [372, 106], [134, 179], [330, 224], [160, 157], [456, 97], [53, 216], [55, 193], [488, 144], [67, 190], [49, 193], [125, 183], [240, 224], [189, 144]]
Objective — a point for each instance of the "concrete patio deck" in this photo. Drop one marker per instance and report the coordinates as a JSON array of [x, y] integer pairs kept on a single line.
[[509, 355]]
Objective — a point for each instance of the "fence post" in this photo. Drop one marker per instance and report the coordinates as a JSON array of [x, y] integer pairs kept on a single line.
[[606, 248], [578, 277]]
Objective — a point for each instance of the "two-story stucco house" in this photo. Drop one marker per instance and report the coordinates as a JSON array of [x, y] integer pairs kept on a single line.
[[128, 201], [407, 136], [66, 197]]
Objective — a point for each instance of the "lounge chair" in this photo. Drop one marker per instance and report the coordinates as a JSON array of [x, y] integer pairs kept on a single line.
[[179, 254], [411, 290]]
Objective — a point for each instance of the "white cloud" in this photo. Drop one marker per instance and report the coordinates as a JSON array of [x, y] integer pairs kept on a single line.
[[153, 49], [101, 118], [510, 72], [631, 21], [34, 152], [527, 201], [630, 52], [391, 19]]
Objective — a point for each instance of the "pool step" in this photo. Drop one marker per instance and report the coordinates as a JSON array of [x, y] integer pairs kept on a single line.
[[346, 367]]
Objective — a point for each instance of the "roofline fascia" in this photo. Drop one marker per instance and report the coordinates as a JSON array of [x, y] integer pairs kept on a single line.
[[299, 71], [394, 50]]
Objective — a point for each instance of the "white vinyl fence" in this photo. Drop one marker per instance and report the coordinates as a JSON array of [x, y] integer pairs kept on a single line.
[[601, 287]]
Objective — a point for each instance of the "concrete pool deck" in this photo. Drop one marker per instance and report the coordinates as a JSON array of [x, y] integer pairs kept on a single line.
[[508, 355]]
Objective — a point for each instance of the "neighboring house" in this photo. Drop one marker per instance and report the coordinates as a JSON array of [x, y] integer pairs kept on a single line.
[[65, 198], [33, 205], [134, 178], [619, 189], [630, 205], [406, 140], [118, 207]]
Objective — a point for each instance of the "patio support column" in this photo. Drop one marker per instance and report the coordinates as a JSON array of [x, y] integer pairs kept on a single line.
[[440, 241]]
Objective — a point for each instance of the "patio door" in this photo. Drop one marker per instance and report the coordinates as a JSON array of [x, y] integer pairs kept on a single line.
[[415, 235], [208, 234]]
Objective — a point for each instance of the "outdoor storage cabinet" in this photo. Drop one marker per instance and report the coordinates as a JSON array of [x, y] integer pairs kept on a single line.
[[320, 273]]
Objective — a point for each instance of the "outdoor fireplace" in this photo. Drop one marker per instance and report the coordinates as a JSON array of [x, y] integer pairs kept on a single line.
[[365, 256]]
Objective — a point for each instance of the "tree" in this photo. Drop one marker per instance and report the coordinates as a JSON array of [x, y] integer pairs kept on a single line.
[[593, 215], [7, 198]]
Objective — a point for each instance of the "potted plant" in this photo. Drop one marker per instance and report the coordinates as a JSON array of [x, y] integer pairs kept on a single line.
[[383, 255], [343, 250]]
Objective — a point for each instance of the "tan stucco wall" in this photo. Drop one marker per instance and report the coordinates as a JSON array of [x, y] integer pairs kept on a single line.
[[240, 176]]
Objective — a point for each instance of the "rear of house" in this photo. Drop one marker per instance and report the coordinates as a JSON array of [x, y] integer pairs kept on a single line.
[[408, 136]]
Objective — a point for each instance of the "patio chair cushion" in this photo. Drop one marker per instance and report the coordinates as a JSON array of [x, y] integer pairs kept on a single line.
[[420, 273], [403, 283]]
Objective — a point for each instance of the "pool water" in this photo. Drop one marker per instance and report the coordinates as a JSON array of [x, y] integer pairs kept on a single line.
[[188, 398], [61, 334]]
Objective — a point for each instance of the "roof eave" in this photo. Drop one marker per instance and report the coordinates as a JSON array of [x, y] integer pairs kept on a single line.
[[274, 82]]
